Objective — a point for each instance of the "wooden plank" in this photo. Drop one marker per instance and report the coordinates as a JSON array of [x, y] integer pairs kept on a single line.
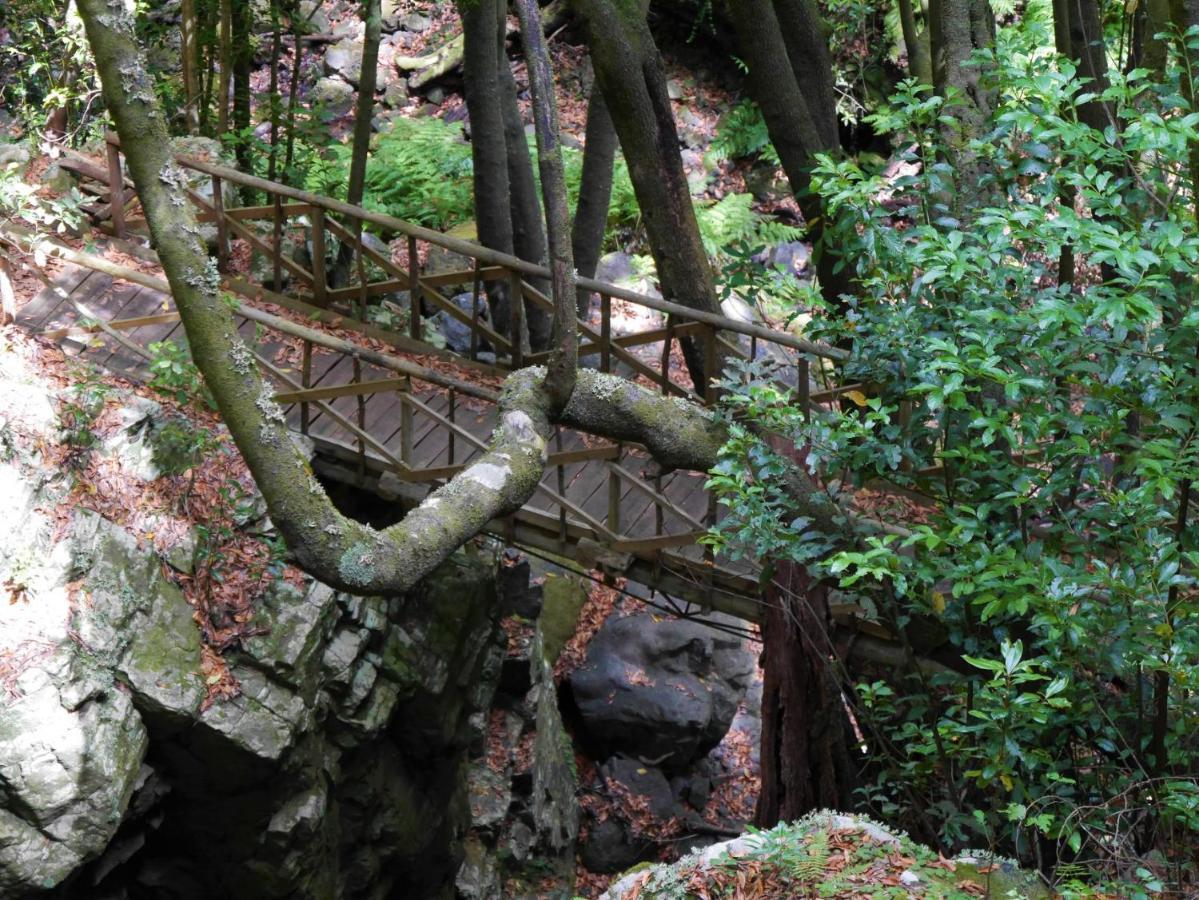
[[640, 546], [463, 276], [45, 301], [254, 213], [374, 289], [340, 390], [117, 324]]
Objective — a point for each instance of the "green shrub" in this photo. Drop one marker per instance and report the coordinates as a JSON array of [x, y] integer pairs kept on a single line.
[[1053, 431]]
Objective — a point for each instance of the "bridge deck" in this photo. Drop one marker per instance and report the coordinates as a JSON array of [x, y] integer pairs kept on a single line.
[[402, 434], [676, 505]]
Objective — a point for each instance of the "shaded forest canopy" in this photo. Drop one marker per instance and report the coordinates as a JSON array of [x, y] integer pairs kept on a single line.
[[987, 210]]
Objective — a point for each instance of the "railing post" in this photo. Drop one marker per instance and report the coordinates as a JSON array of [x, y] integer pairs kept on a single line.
[[666, 344], [709, 387], [561, 491], [319, 282], [516, 319], [361, 419], [605, 333], [453, 434], [116, 189], [222, 228], [474, 312], [406, 423], [277, 255], [413, 290], [305, 382], [614, 495], [805, 389]]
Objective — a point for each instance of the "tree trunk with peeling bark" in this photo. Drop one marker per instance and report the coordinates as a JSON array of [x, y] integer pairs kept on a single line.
[[807, 740]]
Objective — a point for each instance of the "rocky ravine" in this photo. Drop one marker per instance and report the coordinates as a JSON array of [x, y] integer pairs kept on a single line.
[[341, 767]]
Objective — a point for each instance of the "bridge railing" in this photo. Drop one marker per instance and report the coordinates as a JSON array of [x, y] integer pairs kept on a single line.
[[594, 492], [374, 274]]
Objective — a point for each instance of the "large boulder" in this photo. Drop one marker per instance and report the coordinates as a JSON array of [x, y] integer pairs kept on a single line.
[[663, 690], [71, 748], [332, 98]]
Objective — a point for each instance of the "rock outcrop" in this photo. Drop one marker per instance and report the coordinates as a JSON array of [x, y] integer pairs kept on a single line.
[[339, 767], [662, 690]]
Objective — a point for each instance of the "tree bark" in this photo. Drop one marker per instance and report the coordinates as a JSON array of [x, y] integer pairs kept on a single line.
[[563, 364], [629, 71], [528, 229], [958, 28], [595, 192], [799, 109], [807, 741], [225, 62], [189, 59], [915, 42], [372, 19], [242, 62], [489, 152]]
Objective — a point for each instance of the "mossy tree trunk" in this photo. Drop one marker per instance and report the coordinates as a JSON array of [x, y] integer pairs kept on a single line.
[[790, 79], [335, 549], [372, 19], [595, 192], [628, 69], [507, 214]]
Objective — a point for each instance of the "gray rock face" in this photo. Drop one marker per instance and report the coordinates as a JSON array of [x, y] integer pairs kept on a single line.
[[665, 691], [137, 624], [71, 747], [13, 154]]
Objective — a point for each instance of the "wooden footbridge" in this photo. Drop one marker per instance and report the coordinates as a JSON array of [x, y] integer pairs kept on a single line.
[[379, 427]]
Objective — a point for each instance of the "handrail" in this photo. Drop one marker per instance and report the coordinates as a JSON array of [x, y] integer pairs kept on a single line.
[[512, 263]]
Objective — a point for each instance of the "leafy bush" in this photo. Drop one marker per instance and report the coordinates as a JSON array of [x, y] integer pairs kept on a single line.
[[1051, 428]]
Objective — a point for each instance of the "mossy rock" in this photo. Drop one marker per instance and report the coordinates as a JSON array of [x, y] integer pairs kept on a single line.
[[562, 601], [828, 854]]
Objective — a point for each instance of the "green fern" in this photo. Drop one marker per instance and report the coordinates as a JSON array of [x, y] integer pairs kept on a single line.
[[742, 134], [733, 220]]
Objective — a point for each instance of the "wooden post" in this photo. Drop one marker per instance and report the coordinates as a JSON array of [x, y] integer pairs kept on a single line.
[[319, 283], [406, 421], [561, 491], [277, 256], [516, 319], [116, 189], [605, 333], [361, 419], [805, 389], [657, 505], [474, 312], [666, 344], [614, 496], [453, 434], [222, 227], [413, 290], [305, 382], [709, 387]]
